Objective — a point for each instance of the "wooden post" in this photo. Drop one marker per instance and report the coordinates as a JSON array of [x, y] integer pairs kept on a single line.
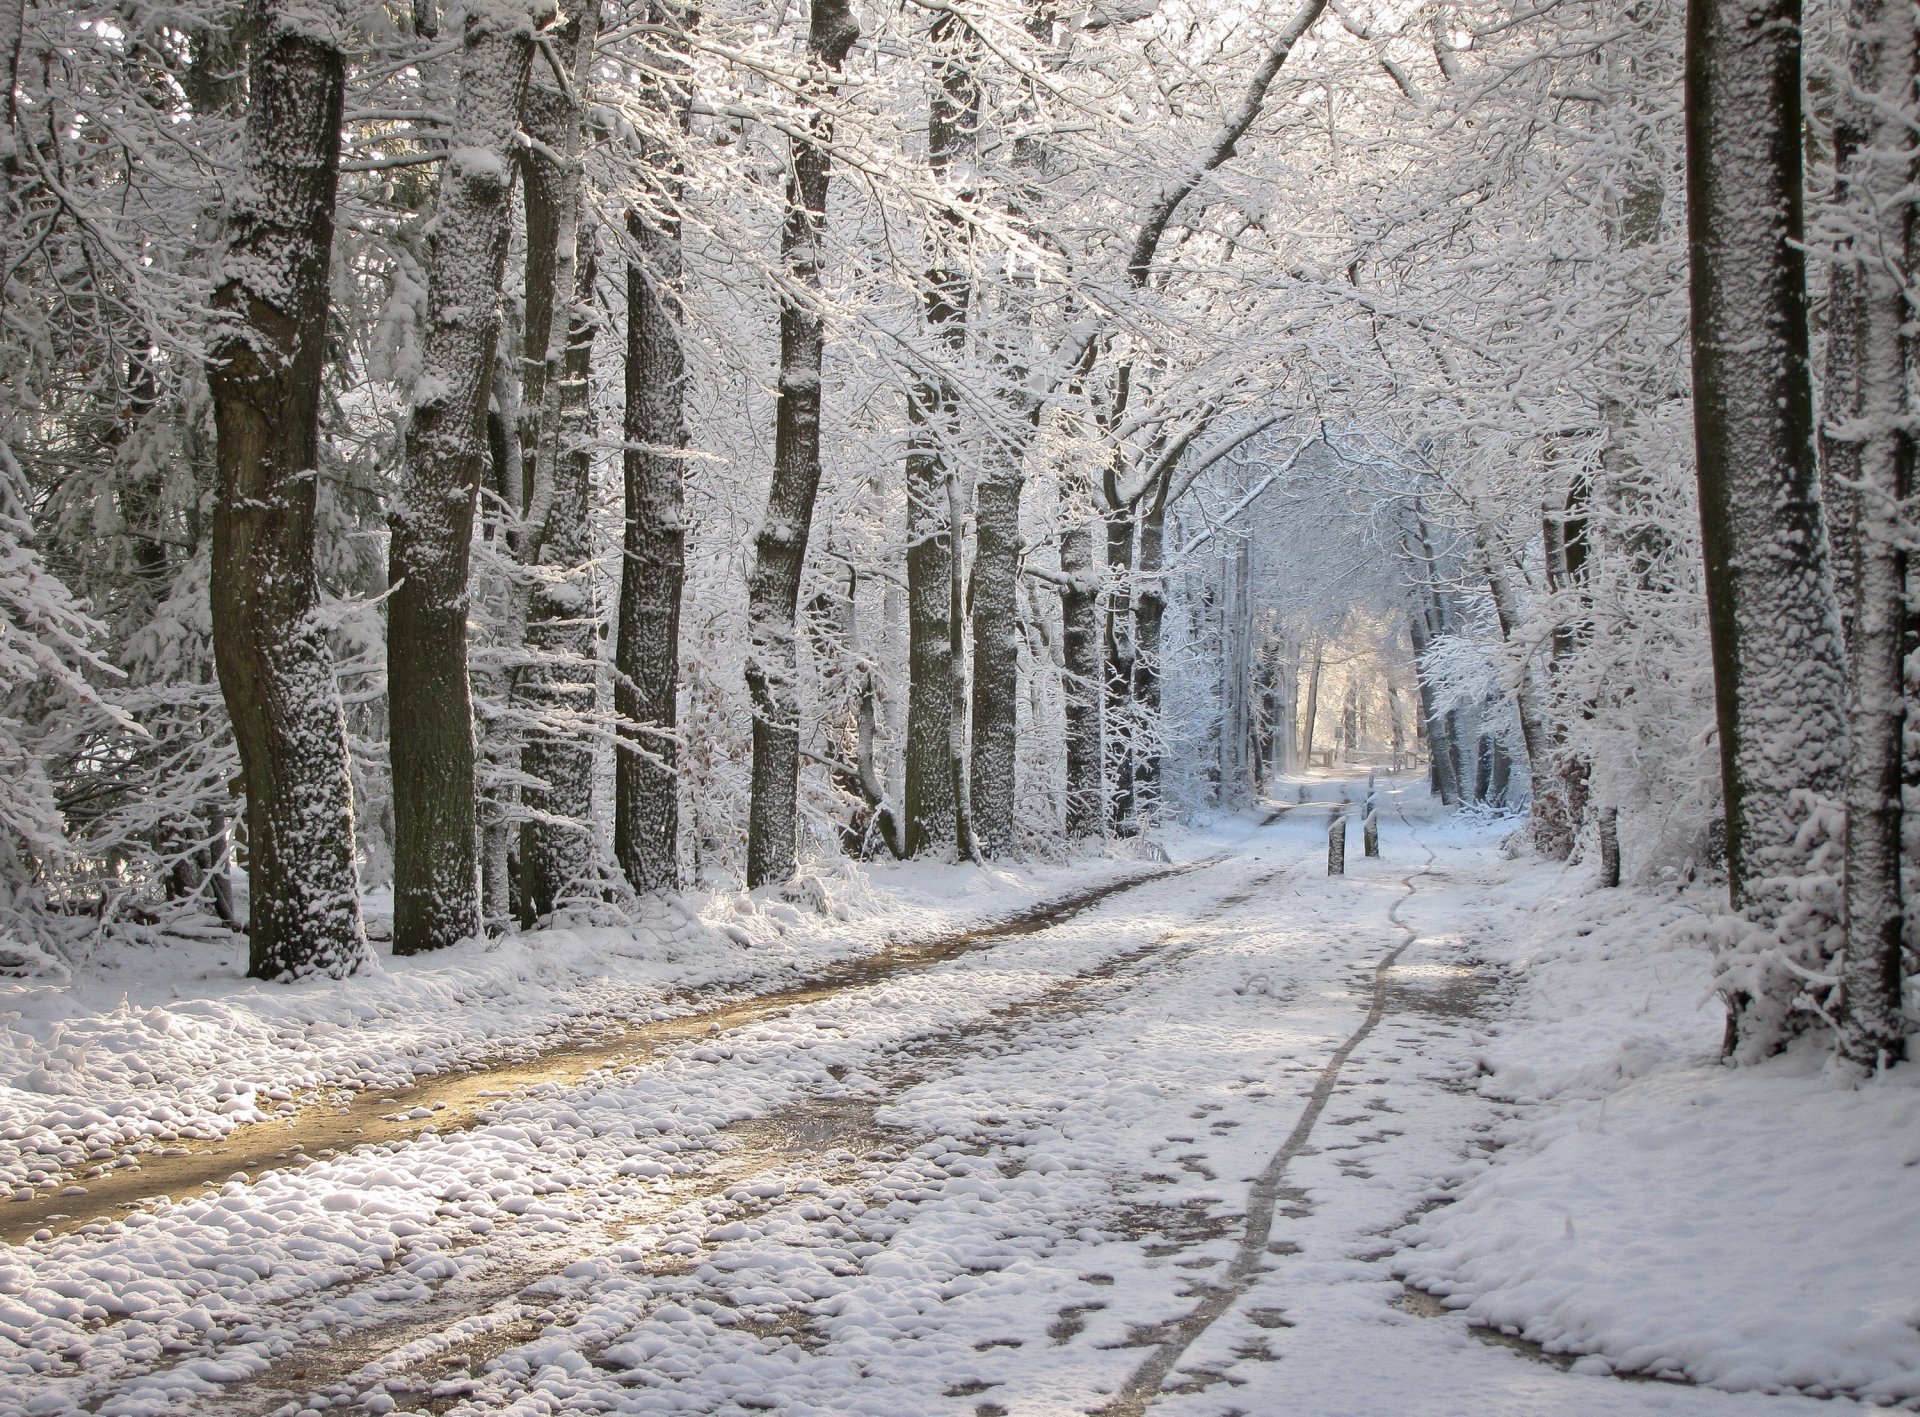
[[1337, 842], [1370, 825]]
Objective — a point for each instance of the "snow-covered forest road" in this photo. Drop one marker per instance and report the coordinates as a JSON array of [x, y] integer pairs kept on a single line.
[[1158, 1153]]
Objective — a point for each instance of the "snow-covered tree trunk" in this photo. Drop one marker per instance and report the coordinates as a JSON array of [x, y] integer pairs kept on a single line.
[[1779, 678], [270, 645], [646, 830], [558, 686], [934, 771], [556, 848], [1081, 674], [1149, 620], [1117, 656], [1879, 178], [780, 546], [1443, 766], [1552, 814], [1313, 704], [435, 850]]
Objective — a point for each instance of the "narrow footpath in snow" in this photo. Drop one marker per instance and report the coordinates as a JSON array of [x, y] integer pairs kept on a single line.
[[1157, 1148]]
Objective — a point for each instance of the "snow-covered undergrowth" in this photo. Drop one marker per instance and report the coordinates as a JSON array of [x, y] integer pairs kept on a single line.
[[1752, 1229], [158, 1045]]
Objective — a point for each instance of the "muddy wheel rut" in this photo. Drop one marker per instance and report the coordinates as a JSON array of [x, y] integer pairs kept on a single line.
[[453, 1102], [427, 1354]]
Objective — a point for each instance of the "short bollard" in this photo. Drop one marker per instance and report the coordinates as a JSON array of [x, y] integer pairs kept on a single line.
[[1337, 843], [1370, 826]]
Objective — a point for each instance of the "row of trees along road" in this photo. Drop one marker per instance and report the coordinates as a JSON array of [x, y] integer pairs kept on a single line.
[[528, 457]]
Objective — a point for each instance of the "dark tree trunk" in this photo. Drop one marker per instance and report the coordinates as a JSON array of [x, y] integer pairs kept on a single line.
[[556, 850], [1872, 1022], [1149, 622], [553, 499], [996, 649], [935, 769], [930, 805], [780, 548], [1081, 675], [1779, 679], [646, 817], [1313, 703], [435, 850], [1443, 767], [1117, 653], [275, 667]]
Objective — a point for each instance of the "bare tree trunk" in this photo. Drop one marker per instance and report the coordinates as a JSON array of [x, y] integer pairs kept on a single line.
[[276, 670], [1553, 824], [646, 812], [935, 776], [1313, 702], [780, 548], [1872, 1025], [552, 503], [556, 850], [1149, 622], [1117, 655], [996, 649], [1081, 678], [1443, 767], [435, 849], [1779, 678]]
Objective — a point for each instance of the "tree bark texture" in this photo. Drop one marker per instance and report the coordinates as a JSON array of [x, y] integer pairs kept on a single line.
[[780, 547], [1443, 767], [556, 846], [930, 806], [435, 850], [1779, 680], [646, 828], [275, 667], [1117, 653], [1080, 676], [1880, 172], [556, 690], [1149, 623]]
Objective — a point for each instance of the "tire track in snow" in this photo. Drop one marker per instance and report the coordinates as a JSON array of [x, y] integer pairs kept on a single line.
[[1140, 1390], [455, 1101], [476, 1303]]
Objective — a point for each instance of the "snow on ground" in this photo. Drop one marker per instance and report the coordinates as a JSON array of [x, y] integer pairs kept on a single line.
[[1009, 1183], [1752, 1228], [156, 1045]]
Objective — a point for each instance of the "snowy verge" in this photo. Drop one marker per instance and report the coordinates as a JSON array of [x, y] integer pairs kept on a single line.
[[162, 1044], [1749, 1229]]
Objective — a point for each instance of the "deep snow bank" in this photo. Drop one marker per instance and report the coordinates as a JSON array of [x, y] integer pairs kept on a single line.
[[1752, 1229]]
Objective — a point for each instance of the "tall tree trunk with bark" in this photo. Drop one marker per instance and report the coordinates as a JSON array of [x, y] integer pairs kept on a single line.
[[1082, 673], [556, 850], [1313, 703], [1117, 654], [430, 707], [780, 547], [646, 827], [935, 659], [1443, 764], [996, 647], [269, 349], [1880, 173], [1149, 623], [548, 533], [1779, 677]]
